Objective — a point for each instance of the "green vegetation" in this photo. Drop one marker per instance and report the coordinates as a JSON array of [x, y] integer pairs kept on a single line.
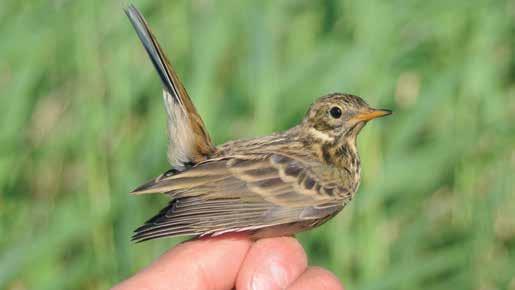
[[82, 124]]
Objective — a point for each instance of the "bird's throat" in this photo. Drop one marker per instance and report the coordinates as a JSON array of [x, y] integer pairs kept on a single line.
[[344, 155]]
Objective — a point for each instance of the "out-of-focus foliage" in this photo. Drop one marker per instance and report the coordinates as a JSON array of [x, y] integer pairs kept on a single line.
[[82, 123]]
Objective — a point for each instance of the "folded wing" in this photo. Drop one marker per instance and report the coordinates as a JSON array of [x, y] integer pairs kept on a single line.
[[242, 193]]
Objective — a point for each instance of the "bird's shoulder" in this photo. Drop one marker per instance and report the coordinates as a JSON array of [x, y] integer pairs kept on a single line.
[[286, 143]]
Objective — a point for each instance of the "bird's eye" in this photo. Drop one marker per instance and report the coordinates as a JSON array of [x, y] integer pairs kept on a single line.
[[335, 112]]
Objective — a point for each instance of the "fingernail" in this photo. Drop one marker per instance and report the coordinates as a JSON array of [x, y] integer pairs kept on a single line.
[[270, 278]]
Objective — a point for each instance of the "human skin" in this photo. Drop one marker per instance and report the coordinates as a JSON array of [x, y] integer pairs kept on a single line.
[[233, 261]]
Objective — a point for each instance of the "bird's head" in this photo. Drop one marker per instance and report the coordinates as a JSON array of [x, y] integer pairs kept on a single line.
[[337, 116]]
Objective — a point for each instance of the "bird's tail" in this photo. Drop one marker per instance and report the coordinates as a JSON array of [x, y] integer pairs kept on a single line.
[[189, 141]]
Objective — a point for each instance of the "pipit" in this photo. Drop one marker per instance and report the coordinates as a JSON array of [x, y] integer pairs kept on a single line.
[[269, 186]]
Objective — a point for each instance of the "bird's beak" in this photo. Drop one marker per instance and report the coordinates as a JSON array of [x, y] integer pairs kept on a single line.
[[371, 114]]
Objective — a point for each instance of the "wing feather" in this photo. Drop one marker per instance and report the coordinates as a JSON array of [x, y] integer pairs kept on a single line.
[[241, 192]]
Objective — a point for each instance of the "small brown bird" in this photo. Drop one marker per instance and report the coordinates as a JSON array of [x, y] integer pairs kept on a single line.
[[270, 186]]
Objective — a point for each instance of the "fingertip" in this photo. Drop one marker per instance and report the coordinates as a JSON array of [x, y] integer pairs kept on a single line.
[[272, 263], [210, 263], [316, 278], [192, 248], [288, 247]]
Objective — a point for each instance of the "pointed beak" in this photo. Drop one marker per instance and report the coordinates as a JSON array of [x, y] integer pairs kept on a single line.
[[371, 114]]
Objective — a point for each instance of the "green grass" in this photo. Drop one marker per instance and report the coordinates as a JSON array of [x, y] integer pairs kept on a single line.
[[82, 124]]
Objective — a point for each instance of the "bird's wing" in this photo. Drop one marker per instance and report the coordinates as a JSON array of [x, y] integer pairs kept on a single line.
[[189, 141], [242, 193]]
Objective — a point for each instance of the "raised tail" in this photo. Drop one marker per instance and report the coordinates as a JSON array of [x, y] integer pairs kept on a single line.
[[189, 141]]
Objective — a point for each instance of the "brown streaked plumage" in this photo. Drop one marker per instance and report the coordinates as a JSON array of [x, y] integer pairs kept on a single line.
[[269, 186]]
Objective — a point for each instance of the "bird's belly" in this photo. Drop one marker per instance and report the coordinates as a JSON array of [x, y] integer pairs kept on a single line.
[[290, 228]]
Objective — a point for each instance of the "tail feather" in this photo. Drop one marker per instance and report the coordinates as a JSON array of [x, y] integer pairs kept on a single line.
[[189, 142], [154, 50]]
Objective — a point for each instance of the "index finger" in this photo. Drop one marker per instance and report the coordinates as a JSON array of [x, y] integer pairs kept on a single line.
[[200, 264]]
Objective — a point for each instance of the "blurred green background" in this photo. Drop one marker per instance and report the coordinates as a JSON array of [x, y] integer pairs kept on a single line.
[[82, 124]]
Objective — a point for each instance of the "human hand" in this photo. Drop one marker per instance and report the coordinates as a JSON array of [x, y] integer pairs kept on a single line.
[[233, 262]]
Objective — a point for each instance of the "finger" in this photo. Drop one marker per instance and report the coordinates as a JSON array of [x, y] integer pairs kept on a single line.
[[201, 264], [272, 264], [316, 278]]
